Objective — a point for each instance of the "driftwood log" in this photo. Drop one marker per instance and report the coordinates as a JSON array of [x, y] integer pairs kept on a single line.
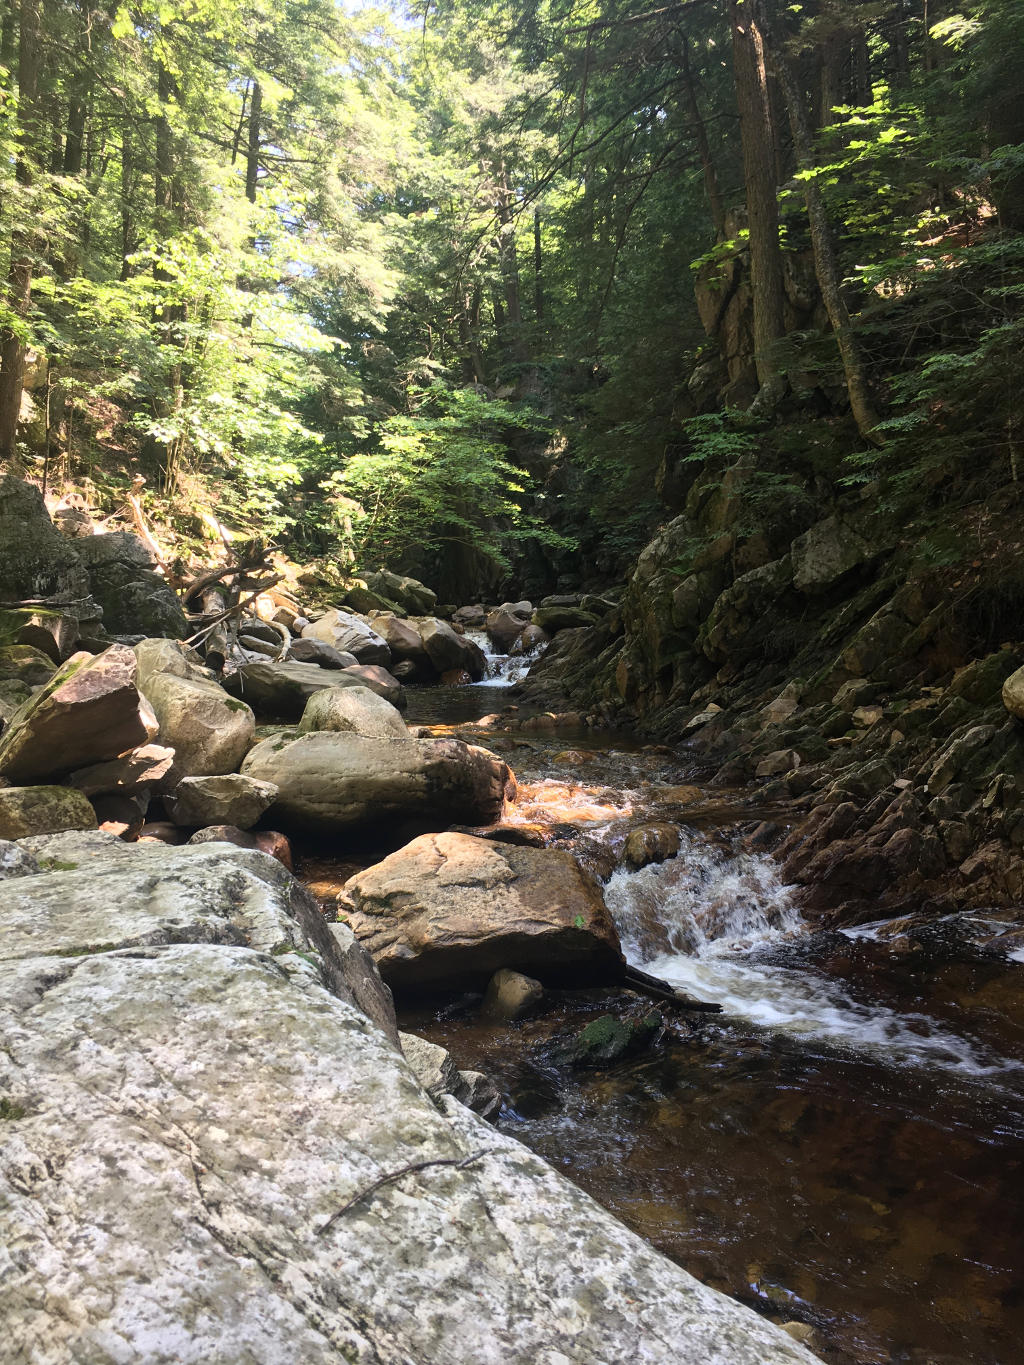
[[645, 984]]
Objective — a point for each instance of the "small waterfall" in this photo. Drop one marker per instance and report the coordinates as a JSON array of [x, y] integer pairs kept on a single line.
[[705, 921], [503, 670]]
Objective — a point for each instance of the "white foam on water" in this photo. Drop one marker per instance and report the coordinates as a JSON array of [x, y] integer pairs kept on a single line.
[[503, 670], [701, 922]]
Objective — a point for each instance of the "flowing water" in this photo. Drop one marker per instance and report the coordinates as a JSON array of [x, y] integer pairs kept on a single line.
[[842, 1146]]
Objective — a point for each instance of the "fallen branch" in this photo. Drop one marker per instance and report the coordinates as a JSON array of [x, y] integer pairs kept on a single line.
[[459, 1163], [231, 611], [653, 986]]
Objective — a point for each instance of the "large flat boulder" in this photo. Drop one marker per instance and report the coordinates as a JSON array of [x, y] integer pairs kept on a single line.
[[89, 711], [450, 910], [329, 782], [186, 1117]]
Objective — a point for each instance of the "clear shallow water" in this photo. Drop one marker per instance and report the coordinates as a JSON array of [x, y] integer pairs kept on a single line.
[[843, 1146]]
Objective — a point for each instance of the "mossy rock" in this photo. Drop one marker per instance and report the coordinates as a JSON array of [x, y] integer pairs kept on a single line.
[[25, 811]]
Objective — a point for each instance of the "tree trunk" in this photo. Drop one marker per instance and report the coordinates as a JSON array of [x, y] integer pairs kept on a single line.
[[716, 204], [19, 288], [826, 263], [509, 262], [538, 268], [252, 155], [758, 141]]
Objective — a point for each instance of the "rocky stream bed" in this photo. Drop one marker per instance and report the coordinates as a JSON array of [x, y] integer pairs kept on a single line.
[[842, 1147]]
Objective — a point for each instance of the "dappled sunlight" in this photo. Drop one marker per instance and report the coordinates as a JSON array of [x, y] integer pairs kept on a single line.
[[551, 801]]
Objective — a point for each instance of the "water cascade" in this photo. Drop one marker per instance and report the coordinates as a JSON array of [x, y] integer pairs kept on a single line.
[[717, 927]]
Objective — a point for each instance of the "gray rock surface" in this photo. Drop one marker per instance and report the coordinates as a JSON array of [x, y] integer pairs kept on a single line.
[[209, 731], [229, 799], [349, 634], [186, 1117], [356, 710], [283, 689], [135, 599], [15, 861], [331, 782]]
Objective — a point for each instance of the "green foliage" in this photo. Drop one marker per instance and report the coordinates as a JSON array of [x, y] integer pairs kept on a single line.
[[442, 476]]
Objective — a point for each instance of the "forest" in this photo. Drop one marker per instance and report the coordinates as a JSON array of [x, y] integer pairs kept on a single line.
[[487, 277]]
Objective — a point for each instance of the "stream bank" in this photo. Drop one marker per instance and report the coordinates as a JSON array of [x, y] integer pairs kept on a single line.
[[842, 1147]]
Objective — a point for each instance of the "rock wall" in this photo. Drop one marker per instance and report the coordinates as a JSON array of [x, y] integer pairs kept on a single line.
[[831, 671]]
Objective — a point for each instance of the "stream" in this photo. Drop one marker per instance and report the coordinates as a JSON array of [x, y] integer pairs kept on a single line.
[[842, 1146]]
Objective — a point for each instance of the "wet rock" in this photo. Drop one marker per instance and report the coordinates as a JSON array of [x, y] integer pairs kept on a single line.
[[607, 1040], [506, 623], [455, 677], [357, 710], [447, 650], [42, 810], [439, 1075], [350, 634], [89, 711], [652, 843], [532, 639], [331, 782], [511, 995], [449, 910], [227, 799]]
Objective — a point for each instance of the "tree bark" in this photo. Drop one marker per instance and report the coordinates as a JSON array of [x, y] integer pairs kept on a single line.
[[252, 155], [757, 136]]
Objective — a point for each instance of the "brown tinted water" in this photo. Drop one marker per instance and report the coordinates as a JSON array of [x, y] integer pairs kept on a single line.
[[843, 1146]]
